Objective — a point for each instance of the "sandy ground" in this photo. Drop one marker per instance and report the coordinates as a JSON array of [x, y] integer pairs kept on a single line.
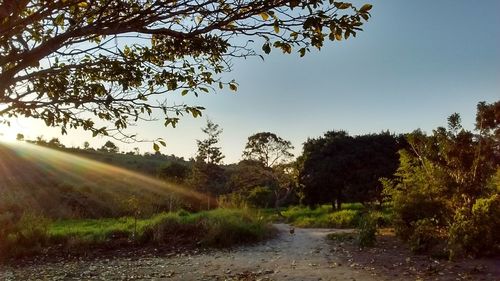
[[306, 255]]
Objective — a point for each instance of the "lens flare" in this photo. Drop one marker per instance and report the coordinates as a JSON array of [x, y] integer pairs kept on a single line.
[[31, 173]]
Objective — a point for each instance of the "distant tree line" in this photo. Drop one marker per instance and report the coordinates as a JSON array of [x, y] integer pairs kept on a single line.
[[332, 169]]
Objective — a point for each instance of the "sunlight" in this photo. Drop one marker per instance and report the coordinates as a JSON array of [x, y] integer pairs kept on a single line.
[[78, 170], [9, 133]]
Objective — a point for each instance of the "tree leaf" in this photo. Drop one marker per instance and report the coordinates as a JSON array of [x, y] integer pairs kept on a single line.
[[264, 15], [156, 147], [266, 48], [365, 8]]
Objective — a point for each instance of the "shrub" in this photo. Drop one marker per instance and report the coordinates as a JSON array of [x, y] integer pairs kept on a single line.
[[476, 231], [425, 236], [215, 228], [261, 197], [443, 190], [367, 230], [224, 228], [27, 236], [343, 218], [323, 216], [234, 200]]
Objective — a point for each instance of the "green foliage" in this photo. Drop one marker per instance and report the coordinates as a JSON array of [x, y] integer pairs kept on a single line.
[[174, 172], [110, 147], [225, 228], [85, 83], [367, 230], [208, 152], [216, 228], [233, 200], [323, 216], [267, 148], [446, 191], [338, 168], [261, 197], [476, 230], [424, 236], [26, 235], [207, 175], [249, 174]]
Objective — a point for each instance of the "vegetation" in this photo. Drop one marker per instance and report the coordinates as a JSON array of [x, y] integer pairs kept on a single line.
[[338, 168], [56, 61], [207, 175], [216, 228], [349, 216], [268, 149], [445, 196]]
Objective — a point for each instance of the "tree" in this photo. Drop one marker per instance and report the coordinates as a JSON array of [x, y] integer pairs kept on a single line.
[[320, 175], [252, 180], [86, 145], [206, 175], [20, 137], [110, 146], [208, 152], [55, 143], [248, 174], [116, 60], [267, 148], [337, 168], [445, 187], [174, 172]]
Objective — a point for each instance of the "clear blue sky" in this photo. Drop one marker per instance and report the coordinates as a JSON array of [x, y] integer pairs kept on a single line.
[[416, 63]]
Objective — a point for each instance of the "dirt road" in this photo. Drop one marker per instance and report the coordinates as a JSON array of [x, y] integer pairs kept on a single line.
[[306, 255]]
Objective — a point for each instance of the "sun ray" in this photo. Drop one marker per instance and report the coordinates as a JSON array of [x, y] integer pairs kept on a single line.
[[37, 171]]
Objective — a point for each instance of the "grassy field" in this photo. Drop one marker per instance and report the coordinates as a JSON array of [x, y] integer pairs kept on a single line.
[[323, 216], [58, 184], [215, 228]]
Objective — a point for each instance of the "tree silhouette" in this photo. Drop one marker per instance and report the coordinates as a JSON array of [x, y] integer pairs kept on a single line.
[[116, 60], [267, 148]]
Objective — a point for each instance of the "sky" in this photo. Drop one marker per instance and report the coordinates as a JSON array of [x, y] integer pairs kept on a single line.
[[415, 63]]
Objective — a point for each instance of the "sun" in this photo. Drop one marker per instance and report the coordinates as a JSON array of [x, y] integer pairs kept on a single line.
[[8, 133]]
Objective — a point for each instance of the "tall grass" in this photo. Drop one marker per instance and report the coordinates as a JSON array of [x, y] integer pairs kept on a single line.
[[215, 228], [323, 216]]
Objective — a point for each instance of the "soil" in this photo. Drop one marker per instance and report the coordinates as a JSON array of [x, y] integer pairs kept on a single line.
[[393, 260], [304, 255]]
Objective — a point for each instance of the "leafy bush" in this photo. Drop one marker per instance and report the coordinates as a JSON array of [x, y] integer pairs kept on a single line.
[[476, 231], [234, 200], [425, 236], [26, 236], [445, 194], [261, 197], [367, 230], [343, 218], [215, 228], [323, 216], [231, 227]]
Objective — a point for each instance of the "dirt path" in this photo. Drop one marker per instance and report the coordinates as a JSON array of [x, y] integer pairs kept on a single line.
[[302, 256]]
